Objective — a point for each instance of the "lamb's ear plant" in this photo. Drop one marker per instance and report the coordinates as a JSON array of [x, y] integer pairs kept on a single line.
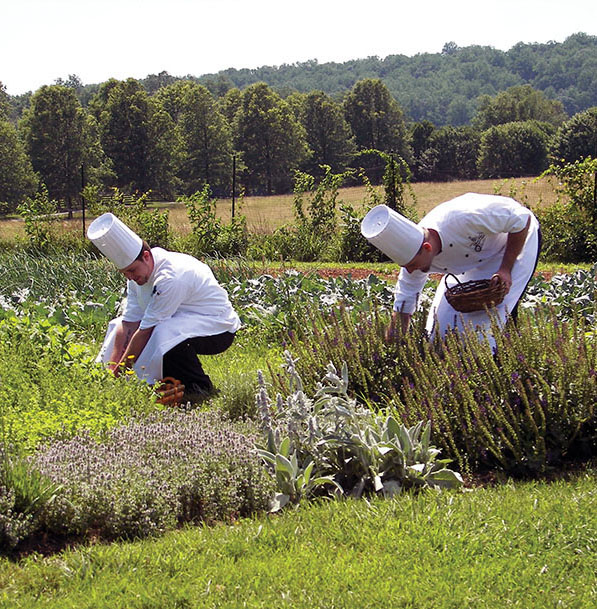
[[334, 440]]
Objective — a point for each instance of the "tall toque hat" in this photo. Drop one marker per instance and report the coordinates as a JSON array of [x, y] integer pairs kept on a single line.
[[115, 240], [396, 236]]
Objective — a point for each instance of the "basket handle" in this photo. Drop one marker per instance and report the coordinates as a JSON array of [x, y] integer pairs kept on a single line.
[[451, 275]]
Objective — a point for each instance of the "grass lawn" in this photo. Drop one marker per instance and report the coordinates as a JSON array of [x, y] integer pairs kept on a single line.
[[515, 545]]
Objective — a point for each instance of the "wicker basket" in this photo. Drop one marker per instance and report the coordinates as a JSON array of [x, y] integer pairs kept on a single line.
[[170, 391], [474, 295]]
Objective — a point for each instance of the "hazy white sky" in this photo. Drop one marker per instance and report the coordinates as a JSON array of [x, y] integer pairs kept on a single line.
[[42, 40]]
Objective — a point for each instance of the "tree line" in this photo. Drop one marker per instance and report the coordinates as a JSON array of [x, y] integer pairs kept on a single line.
[[182, 137]]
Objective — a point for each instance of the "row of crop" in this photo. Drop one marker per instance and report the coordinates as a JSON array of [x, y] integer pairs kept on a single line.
[[370, 428]]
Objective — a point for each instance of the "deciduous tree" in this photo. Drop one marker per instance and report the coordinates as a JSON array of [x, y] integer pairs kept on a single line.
[[53, 129], [137, 136], [576, 139], [206, 153], [376, 119], [17, 179], [328, 134], [519, 103], [270, 138], [514, 149]]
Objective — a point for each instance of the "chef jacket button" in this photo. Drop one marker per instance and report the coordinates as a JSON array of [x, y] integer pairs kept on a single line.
[[451, 244], [466, 255]]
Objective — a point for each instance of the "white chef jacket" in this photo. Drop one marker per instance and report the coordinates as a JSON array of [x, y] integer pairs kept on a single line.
[[180, 300], [473, 229]]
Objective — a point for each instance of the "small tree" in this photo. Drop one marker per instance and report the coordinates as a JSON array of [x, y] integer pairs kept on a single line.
[[576, 139], [514, 149], [578, 182], [569, 226]]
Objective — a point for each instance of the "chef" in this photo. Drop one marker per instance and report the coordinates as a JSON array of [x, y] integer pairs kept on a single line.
[[174, 311], [473, 236]]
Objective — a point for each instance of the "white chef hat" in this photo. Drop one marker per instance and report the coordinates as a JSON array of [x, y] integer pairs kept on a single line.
[[392, 233], [115, 240]]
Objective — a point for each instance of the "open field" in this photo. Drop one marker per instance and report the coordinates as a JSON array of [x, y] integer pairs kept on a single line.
[[265, 214]]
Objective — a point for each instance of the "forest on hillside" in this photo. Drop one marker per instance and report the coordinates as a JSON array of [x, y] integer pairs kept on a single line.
[[176, 136], [443, 88]]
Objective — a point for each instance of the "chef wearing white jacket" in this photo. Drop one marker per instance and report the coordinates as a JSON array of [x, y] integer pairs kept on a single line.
[[473, 236], [175, 310]]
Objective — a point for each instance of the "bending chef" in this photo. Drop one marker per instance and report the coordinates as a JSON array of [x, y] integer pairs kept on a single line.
[[473, 236], [175, 310]]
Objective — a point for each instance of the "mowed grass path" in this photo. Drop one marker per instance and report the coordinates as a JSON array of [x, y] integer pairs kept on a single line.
[[531, 545], [265, 214]]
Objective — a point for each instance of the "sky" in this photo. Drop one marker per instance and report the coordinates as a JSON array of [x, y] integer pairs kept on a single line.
[[43, 40]]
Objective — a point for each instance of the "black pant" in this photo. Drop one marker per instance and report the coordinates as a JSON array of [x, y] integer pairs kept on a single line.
[[182, 362]]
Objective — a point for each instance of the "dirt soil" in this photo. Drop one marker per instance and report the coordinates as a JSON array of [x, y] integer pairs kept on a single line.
[[359, 273]]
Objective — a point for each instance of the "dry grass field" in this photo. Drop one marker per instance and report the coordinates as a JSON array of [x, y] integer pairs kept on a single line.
[[265, 214]]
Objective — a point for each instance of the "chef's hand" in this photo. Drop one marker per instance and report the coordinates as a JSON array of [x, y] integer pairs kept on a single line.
[[502, 276], [114, 369]]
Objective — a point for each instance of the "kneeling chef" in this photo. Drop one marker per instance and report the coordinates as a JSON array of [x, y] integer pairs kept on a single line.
[[175, 310]]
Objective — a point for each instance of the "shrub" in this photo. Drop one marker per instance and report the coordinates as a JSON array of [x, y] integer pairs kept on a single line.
[[210, 236], [152, 474], [39, 214], [150, 224], [570, 225], [529, 407]]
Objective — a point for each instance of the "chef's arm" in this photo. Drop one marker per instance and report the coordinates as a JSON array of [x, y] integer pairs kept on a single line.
[[135, 347], [514, 246], [124, 333]]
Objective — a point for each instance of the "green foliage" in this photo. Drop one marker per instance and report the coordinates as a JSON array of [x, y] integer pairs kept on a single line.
[[277, 305], [39, 403], [566, 294], [567, 232], [576, 139], [54, 129], [449, 153], [514, 149], [206, 141], [577, 182], [518, 104], [270, 139], [333, 440], [17, 179], [529, 407], [150, 224], [136, 135], [210, 236], [39, 214], [327, 132], [376, 119], [569, 226]]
